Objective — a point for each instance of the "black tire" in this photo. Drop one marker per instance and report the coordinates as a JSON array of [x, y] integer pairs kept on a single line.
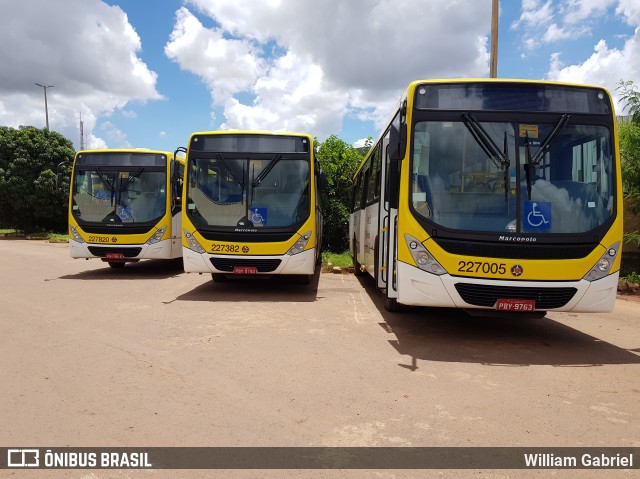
[[116, 264], [304, 278], [219, 278], [392, 305], [357, 267]]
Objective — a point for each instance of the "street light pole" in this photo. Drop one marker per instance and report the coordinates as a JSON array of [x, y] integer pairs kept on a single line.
[[46, 109], [493, 67]]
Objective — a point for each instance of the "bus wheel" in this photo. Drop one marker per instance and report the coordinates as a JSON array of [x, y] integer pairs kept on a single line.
[[357, 267], [219, 278], [392, 305], [116, 264]]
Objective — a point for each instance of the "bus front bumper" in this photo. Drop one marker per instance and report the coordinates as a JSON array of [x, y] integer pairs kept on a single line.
[[132, 252], [301, 263], [419, 288]]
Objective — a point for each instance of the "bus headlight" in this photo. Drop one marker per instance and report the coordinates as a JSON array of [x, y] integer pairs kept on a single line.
[[75, 235], [157, 236], [193, 243], [300, 245], [421, 256], [604, 264]]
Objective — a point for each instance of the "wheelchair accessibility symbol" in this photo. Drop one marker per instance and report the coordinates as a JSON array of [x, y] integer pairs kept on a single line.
[[258, 216], [537, 215]]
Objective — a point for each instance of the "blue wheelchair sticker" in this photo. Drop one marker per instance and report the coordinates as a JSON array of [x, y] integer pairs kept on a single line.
[[258, 216], [124, 213], [537, 215]]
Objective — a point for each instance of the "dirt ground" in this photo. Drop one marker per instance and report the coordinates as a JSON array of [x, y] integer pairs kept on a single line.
[[151, 356]]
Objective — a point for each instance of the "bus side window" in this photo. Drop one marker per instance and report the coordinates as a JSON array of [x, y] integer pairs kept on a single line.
[[357, 192]]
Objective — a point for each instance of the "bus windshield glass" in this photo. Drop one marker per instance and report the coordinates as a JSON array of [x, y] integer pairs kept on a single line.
[[550, 176], [120, 188], [269, 192]]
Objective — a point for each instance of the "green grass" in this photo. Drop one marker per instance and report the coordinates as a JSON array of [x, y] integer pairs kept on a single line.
[[51, 237], [58, 238], [337, 259], [631, 278]]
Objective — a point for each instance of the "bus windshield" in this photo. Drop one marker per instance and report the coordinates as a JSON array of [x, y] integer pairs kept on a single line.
[[248, 192], [119, 187], [531, 177]]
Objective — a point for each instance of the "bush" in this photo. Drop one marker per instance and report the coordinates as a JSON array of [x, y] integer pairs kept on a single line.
[[29, 158], [338, 161]]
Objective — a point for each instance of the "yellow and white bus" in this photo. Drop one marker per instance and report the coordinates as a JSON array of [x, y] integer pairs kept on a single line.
[[125, 205], [493, 195], [251, 205]]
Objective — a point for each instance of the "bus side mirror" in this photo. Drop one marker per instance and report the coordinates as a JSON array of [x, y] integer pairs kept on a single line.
[[60, 175], [322, 181], [398, 134]]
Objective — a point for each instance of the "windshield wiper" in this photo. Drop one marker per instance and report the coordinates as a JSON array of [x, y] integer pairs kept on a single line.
[[506, 165], [221, 157], [130, 178], [532, 162], [106, 182], [499, 158], [263, 174]]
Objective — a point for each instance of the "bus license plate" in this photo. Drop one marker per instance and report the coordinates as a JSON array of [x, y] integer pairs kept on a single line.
[[516, 305], [245, 270], [115, 255]]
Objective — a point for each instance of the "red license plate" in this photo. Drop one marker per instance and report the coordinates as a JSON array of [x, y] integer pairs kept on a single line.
[[516, 305], [115, 256], [245, 270]]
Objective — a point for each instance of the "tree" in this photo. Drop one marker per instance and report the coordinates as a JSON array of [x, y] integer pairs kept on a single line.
[[630, 151], [29, 158], [339, 161]]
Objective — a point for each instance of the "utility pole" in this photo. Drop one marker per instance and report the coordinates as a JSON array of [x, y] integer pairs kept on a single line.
[[495, 10], [81, 132], [46, 109]]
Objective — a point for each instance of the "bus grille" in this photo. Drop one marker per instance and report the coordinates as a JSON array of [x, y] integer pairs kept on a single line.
[[516, 251], [262, 265], [126, 252], [487, 295]]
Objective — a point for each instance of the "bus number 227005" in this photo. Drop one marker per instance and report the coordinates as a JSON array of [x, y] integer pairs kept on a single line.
[[479, 266]]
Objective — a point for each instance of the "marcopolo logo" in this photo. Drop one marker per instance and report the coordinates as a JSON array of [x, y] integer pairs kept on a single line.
[[517, 270], [23, 457]]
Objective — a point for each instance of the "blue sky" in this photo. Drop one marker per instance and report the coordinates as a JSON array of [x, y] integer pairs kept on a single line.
[[148, 73]]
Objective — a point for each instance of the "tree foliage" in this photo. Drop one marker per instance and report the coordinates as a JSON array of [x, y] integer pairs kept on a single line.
[[29, 158], [629, 133], [339, 161], [631, 96]]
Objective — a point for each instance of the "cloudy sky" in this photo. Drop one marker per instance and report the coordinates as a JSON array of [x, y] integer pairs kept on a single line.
[[148, 73]]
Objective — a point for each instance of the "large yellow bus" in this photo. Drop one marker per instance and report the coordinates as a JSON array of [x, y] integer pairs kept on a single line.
[[125, 205], [251, 205], [493, 196]]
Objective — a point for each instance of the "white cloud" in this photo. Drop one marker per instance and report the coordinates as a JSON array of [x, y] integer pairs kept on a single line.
[[630, 9], [579, 11], [85, 48], [129, 114], [227, 66], [292, 96], [361, 143], [549, 22], [555, 33], [297, 63], [605, 67], [534, 14]]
